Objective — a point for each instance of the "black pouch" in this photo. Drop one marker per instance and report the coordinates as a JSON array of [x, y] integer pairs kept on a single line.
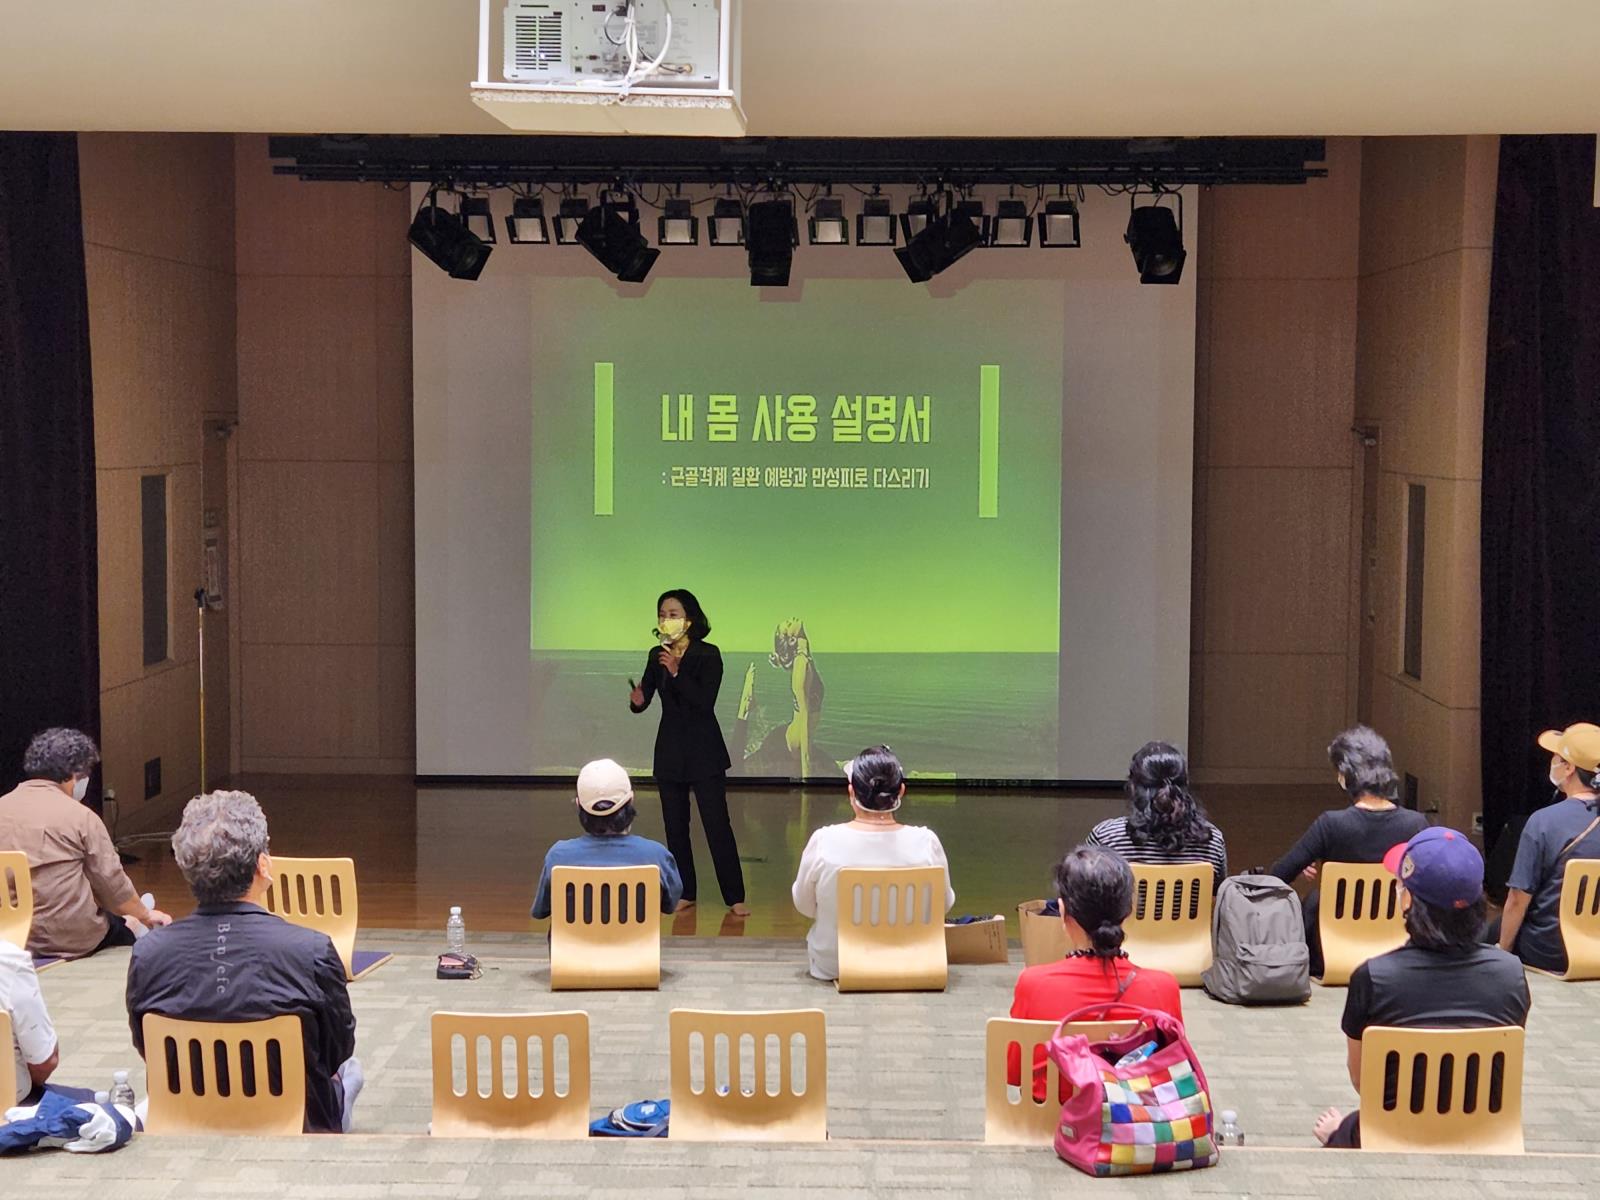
[[458, 966]]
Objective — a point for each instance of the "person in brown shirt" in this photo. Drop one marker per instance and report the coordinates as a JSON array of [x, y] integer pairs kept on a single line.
[[82, 898]]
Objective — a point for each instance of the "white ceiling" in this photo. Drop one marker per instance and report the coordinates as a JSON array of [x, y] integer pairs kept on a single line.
[[842, 67]]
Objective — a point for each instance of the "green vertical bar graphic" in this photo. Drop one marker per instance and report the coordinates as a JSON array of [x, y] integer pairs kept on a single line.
[[602, 439], [989, 441]]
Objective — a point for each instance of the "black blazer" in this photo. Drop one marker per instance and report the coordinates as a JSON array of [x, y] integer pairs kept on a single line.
[[689, 745]]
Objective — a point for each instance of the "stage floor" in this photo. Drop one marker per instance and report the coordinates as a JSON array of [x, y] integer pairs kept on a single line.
[[420, 850]]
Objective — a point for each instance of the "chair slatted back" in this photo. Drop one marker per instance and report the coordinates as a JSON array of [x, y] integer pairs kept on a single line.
[[605, 927], [1170, 926], [1438, 1091], [320, 894], [523, 1074], [1358, 916], [246, 1077], [749, 1076], [891, 929], [16, 898], [1580, 917], [1015, 1114]]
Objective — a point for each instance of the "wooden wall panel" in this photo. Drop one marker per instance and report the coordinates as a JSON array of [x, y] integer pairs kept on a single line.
[[326, 655], [158, 250]]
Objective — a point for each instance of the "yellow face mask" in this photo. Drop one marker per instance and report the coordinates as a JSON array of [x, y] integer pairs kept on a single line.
[[673, 628]]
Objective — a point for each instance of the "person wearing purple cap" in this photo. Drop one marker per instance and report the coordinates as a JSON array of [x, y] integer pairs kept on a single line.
[[1443, 977]]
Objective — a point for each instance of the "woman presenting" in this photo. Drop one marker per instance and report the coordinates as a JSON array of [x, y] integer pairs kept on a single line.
[[690, 753]]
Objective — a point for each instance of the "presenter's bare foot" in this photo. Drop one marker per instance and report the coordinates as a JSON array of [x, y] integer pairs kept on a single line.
[[1327, 1123], [684, 906], [740, 910]]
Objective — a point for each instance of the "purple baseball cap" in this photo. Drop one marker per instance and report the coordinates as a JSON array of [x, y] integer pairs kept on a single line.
[[1439, 866]]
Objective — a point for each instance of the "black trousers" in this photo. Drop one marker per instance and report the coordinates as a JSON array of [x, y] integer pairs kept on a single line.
[[712, 796]]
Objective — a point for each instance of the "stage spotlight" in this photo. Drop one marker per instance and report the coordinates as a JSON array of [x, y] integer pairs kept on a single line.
[[770, 237], [916, 217], [478, 218], [1156, 240], [875, 223], [828, 225], [446, 242], [1058, 225], [678, 225], [573, 210], [973, 210], [1012, 224], [945, 240], [525, 226], [610, 232], [727, 223]]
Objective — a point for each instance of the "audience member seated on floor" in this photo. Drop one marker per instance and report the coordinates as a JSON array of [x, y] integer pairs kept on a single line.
[[1361, 832], [234, 961], [33, 1038], [83, 900], [873, 838], [1095, 888], [1570, 828], [606, 812], [1444, 976], [1165, 823]]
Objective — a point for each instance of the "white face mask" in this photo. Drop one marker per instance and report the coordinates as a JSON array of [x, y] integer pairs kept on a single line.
[[80, 788]]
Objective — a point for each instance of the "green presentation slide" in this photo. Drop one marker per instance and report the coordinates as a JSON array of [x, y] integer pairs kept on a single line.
[[862, 485]]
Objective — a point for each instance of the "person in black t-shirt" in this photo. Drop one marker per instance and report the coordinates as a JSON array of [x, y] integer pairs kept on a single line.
[[1361, 833], [1553, 836], [1443, 977]]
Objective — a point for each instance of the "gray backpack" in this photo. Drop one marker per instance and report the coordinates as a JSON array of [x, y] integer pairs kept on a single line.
[[1259, 944]]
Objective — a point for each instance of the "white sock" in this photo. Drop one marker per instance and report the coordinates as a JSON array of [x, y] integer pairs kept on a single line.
[[352, 1079]]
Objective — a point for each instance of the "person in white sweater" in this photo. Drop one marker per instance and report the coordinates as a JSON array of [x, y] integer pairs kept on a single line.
[[874, 838]]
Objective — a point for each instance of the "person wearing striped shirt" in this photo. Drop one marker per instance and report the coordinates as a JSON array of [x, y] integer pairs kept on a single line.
[[1164, 823]]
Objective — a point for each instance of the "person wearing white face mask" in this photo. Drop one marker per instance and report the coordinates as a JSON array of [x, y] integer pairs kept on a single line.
[[83, 900], [1530, 926]]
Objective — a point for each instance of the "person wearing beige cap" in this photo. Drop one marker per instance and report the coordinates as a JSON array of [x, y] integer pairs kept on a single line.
[[606, 812], [1569, 828]]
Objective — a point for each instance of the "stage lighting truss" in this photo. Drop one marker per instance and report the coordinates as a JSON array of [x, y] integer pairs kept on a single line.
[[526, 226], [1155, 237], [727, 222], [678, 226], [828, 225]]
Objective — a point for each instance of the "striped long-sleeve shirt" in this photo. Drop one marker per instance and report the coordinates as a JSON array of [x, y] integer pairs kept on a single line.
[[1112, 834]]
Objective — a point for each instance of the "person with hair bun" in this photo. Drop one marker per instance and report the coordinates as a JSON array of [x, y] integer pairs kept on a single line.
[[872, 838], [1361, 832], [1095, 889], [1165, 823]]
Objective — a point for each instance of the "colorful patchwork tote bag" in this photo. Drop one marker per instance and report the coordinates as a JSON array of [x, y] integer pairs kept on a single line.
[[1139, 1101]]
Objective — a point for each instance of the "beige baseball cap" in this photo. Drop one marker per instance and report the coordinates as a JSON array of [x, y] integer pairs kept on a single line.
[[1579, 744], [603, 787]]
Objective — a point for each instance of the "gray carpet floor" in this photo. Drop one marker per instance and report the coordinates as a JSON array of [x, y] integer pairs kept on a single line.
[[903, 1069]]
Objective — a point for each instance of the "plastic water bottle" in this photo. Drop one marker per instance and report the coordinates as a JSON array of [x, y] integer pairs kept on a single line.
[[1228, 1132], [455, 932], [122, 1090]]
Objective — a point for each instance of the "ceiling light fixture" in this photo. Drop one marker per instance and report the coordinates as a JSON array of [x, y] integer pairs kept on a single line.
[[875, 224], [573, 210], [727, 222], [610, 232], [770, 236], [678, 226], [525, 226], [1058, 225], [446, 242], [828, 225], [1155, 237]]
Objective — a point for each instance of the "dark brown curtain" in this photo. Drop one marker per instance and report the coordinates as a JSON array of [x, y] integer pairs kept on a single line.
[[49, 595], [1541, 467]]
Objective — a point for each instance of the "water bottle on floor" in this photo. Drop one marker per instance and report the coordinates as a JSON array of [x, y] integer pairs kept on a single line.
[[1228, 1132], [455, 932], [122, 1090]]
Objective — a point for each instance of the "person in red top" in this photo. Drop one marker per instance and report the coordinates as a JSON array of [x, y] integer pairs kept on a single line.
[[1095, 888]]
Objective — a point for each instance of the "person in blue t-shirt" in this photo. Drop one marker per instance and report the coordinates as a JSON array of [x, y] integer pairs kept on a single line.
[[606, 812], [1570, 828]]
